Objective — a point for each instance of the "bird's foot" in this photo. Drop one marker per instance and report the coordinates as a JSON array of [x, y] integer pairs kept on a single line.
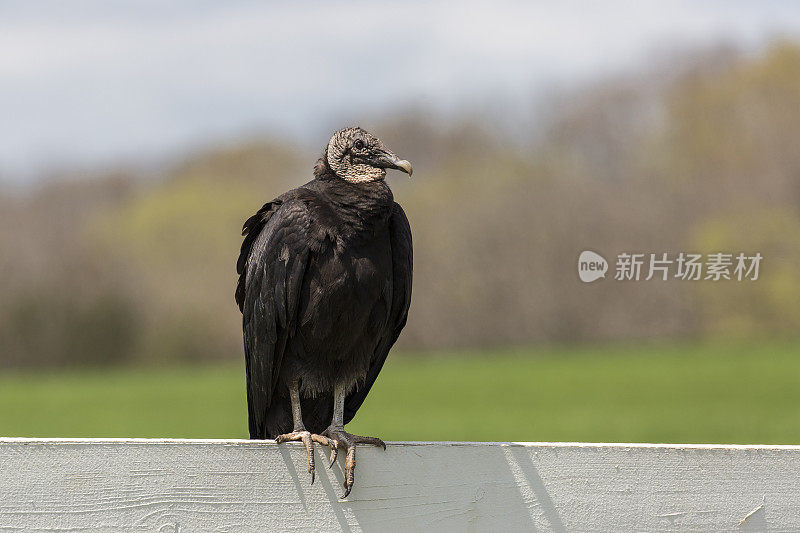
[[342, 439], [308, 439]]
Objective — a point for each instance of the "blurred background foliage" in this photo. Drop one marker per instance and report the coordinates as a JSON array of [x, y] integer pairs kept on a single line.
[[697, 154]]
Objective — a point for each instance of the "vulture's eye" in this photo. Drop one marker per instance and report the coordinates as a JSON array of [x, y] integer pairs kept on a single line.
[[359, 144]]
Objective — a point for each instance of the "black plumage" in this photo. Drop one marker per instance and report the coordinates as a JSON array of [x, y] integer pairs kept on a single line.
[[324, 288]]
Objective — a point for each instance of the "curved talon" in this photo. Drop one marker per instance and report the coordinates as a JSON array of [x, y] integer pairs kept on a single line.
[[309, 456], [339, 438], [308, 439], [375, 441], [349, 470], [344, 440], [334, 452]]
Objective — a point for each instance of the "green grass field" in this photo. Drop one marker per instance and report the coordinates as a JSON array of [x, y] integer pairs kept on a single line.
[[717, 392]]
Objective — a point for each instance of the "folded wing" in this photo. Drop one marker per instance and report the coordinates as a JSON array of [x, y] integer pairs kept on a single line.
[[271, 267]]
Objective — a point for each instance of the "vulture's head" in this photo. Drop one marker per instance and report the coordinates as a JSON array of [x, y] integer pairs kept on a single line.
[[357, 156]]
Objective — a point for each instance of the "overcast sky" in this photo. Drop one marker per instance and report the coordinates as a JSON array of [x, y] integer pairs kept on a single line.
[[92, 82]]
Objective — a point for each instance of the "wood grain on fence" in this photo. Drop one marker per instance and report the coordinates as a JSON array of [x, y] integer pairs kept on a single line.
[[121, 485]]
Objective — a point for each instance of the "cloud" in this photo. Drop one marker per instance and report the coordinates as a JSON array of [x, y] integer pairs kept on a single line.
[[138, 79]]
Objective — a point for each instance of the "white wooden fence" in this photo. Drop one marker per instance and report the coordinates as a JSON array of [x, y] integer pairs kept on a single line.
[[121, 485]]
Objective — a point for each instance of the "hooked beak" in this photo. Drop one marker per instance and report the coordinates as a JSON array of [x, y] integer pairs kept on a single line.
[[403, 165], [389, 160]]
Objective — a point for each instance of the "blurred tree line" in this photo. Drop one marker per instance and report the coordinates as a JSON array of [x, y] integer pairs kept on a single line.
[[703, 158]]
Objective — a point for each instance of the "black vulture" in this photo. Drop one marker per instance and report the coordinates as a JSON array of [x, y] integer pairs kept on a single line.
[[324, 290]]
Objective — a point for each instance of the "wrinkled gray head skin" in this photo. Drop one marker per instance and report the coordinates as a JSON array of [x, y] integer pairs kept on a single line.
[[357, 156]]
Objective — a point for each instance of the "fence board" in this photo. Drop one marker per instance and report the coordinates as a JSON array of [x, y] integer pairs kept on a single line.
[[123, 485]]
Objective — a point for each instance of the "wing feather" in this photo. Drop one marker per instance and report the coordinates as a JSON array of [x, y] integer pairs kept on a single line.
[[271, 267]]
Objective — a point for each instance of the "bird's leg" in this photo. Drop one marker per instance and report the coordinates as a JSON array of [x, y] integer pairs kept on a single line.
[[299, 432], [340, 438]]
